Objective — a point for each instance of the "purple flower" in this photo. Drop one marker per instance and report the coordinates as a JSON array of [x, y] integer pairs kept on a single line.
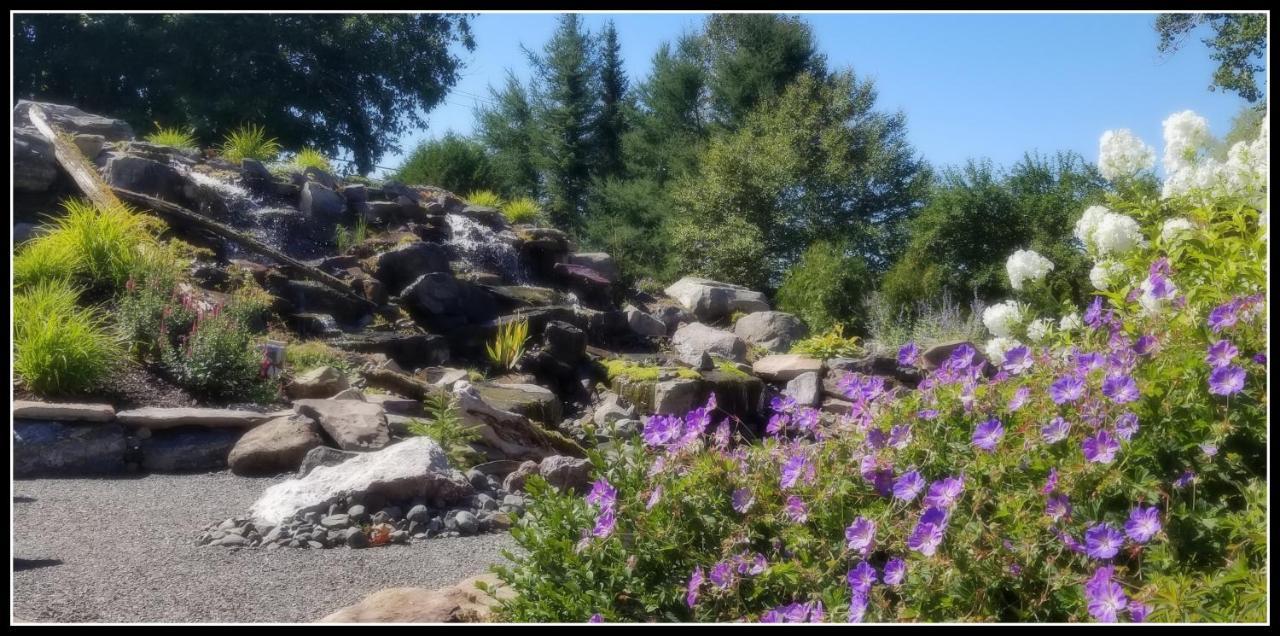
[[988, 434], [1210, 451], [604, 524], [1086, 362], [1101, 448], [862, 577], [596, 618], [1126, 426], [1145, 345], [927, 414], [1017, 359], [1019, 398], [654, 498], [1221, 353], [806, 419], [860, 534], [796, 467], [1138, 611], [695, 582], [721, 575], [1224, 316], [876, 438], [1120, 388], [961, 357], [857, 608], [1102, 541], [777, 423], [944, 493], [1260, 358], [1055, 431], [882, 481], [742, 500], [1159, 286], [1184, 480], [602, 494], [660, 430], [895, 571], [900, 436], [1227, 380], [908, 355], [1066, 389], [1051, 482], [1070, 542], [752, 567], [796, 510], [782, 404], [1093, 315], [1105, 597], [1057, 507], [1143, 524], [926, 537], [908, 486]]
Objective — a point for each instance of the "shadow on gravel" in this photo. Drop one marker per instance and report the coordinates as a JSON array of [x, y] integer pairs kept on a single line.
[[34, 564], [22, 499]]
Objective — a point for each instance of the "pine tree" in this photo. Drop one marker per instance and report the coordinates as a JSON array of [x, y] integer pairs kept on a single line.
[[564, 106], [507, 130], [611, 121]]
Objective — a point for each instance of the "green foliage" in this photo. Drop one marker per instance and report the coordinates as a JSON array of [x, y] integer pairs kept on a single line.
[[453, 162], [564, 105], [508, 343], [311, 158], [59, 347], [506, 128], [1238, 45], [485, 199], [351, 81], [174, 137], [301, 357], [832, 343], [444, 425], [635, 372], [926, 323], [611, 120], [733, 251], [627, 222], [249, 142], [522, 210], [753, 57], [347, 237], [217, 359], [825, 287]]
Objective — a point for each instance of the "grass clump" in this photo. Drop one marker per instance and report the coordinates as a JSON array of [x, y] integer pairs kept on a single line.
[[728, 368], [249, 142], [304, 356], [643, 373], [444, 424], [508, 344], [522, 210], [830, 344], [346, 238], [174, 138], [485, 199], [60, 348], [311, 158]]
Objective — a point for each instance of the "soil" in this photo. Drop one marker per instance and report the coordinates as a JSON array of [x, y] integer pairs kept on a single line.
[[134, 385]]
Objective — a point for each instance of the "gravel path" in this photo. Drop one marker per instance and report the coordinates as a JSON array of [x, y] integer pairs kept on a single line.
[[123, 550]]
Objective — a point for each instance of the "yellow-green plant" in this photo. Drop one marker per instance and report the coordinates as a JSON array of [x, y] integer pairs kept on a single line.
[[174, 137], [508, 343], [346, 238], [444, 425], [249, 142], [485, 199], [311, 158], [830, 344], [300, 357], [60, 348], [522, 210]]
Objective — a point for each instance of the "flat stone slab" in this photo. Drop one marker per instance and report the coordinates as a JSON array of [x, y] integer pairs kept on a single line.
[[354, 425], [785, 367], [63, 412], [158, 418]]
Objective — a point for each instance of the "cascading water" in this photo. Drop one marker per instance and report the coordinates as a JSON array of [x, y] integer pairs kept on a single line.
[[485, 248], [247, 211]]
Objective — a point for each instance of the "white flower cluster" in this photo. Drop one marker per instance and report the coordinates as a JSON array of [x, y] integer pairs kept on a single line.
[[1173, 229], [1088, 223], [1116, 234], [997, 347], [1105, 274], [1185, 134], [1121, 154], [1244, 172], [1039, 329], [1002, 318], [1070, 321], [1026, 265]]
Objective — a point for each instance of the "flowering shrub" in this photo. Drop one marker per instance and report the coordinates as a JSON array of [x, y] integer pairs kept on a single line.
[[1113, 470]]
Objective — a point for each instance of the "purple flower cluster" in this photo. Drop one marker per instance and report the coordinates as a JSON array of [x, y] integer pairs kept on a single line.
[[797, 468], [795, 613], [1105, 598], [675, 433], [604, 496]]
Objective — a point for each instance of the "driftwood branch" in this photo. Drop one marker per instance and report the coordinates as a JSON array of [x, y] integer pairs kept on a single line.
[[86, 177]]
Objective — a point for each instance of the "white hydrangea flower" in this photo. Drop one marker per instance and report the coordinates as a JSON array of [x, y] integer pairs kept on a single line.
[[997, 347], [1174, 228], [1026, 265], [1105, 274], [1089, 222], [1001, 318], [1121, 154], [1116, 234], [1070, 321], [1185, 133], [1039, 329]]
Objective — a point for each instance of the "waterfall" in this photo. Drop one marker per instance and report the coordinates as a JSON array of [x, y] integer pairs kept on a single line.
[[485, 248]]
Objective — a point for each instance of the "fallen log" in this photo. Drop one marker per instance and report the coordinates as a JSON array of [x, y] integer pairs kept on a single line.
[[74, 162]]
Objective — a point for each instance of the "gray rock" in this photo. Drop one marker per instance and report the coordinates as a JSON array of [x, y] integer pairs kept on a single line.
[[938, 354], [515, 480], [508, 432], [62, 412], [408, 350], [188, 449], [442, 303], [643, 324], [159, 418], [358, 426], [599, 262], [694, 342], [565, 341], [419, 514], [147, 176], [467, 523], [275, 447], [56, 448], [710, 300], [403, 264], [805, 388], [352, 394], [321, 203], [89, 145], [320, 382], [416, 467], [611, 409], [356, 538], [322, 456], [478, 479], [35, 168], [336, 521], [72, 120], [675, 397], [785, 367], [773, 330], [566, 473]]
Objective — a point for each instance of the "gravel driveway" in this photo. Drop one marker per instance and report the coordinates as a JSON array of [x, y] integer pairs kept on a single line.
[[123, 550]]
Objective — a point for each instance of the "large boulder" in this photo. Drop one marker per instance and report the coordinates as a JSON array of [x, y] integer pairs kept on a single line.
[[806, 389], [277, 446], [461, 603], [566, 474], [320, 382], [676, 397], [710, 300], [773, 330], [403, 264], [442, 303], [599, 262], [323, 456], [35, 168], [322, 204], [565, 341], [694, 341], [530, 400], [45, 448], [512, 434], [147, 176], [643, 324], [416, 467], [353, 425], [72, 120], [410, 350], [188, 449], [785, 367]]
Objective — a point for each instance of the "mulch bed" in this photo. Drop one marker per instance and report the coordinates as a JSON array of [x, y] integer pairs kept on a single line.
[[132, 386]]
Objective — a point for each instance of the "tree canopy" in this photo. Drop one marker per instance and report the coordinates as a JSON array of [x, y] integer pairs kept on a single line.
[[1238, 45]]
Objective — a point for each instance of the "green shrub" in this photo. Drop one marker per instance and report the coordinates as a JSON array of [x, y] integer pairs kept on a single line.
[[508, 344], [522, 210], [249, 142], [217, 359], [43, 260], [454, 163], [311, 158], [174, 137], [444, 425], [831, 343], [59, 347], [345, 238], [925, 323], [301, 357], [485, 199], [825, 288]]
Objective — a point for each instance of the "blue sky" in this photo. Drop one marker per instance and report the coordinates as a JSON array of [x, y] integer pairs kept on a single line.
[[971, 85]]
